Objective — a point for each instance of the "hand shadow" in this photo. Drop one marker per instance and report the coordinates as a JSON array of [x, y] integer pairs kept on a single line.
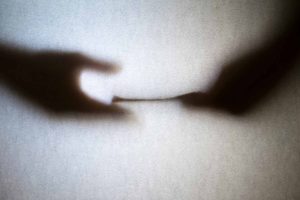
[[246, 81], [50, 80]]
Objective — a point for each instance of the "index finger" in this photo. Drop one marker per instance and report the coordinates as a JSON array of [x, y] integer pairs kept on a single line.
[[104, 66]]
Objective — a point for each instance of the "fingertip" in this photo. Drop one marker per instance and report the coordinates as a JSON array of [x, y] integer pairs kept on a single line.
[[114, 110], [194, 99], [97, 64], [113, 68], [106, 67]]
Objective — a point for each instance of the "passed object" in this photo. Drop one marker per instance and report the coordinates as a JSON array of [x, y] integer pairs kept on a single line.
[[99, 87]]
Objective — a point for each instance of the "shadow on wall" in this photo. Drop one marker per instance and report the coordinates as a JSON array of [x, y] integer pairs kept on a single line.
[[248, 79], [50, 80]]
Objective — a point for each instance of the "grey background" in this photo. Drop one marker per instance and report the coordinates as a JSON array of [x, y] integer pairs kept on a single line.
[[163, 151]]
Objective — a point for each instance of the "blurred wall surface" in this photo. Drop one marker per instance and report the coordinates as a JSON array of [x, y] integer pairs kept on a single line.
[[164, 150]]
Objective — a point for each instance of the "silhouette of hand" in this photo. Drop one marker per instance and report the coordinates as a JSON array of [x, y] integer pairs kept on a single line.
[[244, 82], [50, 79]]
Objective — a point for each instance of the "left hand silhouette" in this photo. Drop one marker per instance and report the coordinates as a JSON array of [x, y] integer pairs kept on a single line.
[[50, 79]]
